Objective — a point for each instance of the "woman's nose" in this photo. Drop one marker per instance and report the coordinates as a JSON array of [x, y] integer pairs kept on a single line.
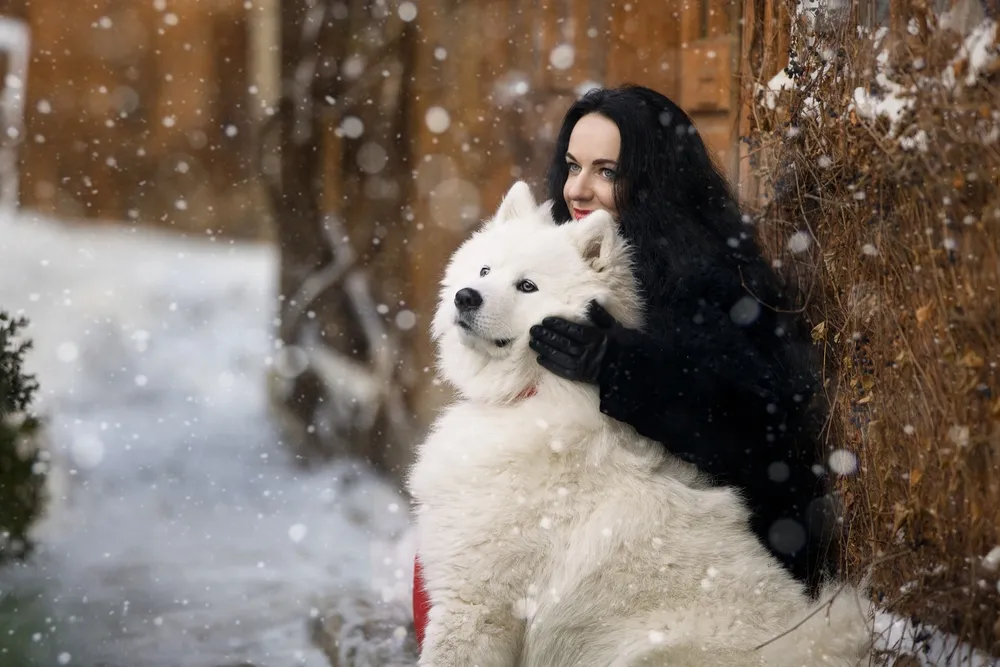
[[578, 188]]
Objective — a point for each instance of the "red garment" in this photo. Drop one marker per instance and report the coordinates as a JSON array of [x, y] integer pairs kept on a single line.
[[421, 603]]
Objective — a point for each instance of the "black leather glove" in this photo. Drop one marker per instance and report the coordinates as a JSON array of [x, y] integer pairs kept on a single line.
[[574, 351]]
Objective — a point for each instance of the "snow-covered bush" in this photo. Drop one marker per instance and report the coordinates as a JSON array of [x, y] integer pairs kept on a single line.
[[879, 154], [22, 478]]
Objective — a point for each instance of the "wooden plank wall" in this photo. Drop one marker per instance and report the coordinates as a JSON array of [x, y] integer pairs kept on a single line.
[[139, 109]]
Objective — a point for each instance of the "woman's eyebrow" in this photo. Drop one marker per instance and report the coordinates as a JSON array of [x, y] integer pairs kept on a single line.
[[600, 162]]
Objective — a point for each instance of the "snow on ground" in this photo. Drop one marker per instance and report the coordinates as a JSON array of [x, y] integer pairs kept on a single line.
[[929, 646], [184, 534]]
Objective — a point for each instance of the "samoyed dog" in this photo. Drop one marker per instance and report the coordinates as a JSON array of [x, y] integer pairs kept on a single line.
[[551, 535]]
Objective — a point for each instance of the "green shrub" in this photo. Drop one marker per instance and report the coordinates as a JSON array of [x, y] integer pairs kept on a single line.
[[22, 477]]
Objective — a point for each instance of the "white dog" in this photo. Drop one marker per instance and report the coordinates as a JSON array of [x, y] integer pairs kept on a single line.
[[552, 535]]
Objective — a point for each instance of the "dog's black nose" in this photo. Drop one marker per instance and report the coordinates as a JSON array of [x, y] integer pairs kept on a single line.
[[467, 299]]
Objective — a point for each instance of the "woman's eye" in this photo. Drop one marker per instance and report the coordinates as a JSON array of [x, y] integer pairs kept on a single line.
[[573, 167], [608, 173], [483, 271], [527, 286]]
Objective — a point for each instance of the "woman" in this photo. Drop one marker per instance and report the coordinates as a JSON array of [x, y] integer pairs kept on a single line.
[[721, 373]]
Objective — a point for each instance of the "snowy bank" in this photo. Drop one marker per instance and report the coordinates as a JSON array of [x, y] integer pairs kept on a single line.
[[183, 533]]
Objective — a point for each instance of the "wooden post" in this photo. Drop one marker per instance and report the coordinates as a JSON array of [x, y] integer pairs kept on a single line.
[[749, 45], [764, 44], [294, 188], [265, 69]]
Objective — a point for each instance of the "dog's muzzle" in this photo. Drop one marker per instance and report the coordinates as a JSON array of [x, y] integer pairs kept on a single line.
[[467, 302]]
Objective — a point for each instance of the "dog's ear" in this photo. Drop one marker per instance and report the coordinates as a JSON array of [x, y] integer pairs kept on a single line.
[[597, 238], [517, 203], [545, 211]]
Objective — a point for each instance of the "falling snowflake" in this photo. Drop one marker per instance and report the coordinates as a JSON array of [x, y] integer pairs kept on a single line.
[[406, 320], [991, 561], [438, 120], [959, 435], [297, 532], [586, 87], [510, 87], [407, 11], [843, 462], [354, 66], [799, 242], [562, 56], [352, 127], [745, 311], [87, 451]]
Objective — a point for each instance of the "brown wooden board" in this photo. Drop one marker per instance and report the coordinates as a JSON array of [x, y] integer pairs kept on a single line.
[[140, 111]]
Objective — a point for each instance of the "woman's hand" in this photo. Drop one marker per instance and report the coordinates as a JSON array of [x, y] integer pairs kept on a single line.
[[574, 351]]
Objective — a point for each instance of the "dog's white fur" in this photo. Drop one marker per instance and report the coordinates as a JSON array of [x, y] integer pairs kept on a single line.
[[552, 535]]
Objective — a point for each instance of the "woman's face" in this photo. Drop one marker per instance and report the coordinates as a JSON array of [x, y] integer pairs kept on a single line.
[[592, 157]]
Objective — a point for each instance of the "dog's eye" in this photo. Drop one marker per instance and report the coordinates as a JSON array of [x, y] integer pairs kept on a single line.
[[527, 286], [483, 271]]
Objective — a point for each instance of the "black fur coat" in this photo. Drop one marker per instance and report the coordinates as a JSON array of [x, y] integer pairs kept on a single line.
[[722, 376]]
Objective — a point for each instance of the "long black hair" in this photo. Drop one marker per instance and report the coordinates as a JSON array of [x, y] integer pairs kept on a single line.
[[662, 156], [683, 221], [675, 207]]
